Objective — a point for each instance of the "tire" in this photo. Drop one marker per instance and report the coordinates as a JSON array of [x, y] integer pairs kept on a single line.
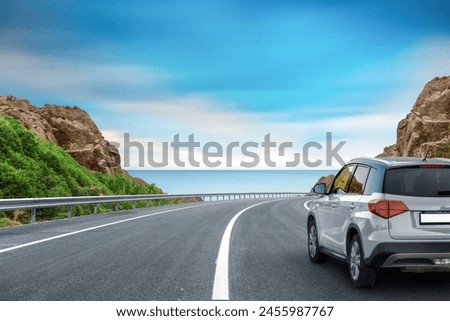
[[361, 275], [315, 255]]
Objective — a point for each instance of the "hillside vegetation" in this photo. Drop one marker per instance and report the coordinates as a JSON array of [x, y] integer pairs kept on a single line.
[[32, 167]]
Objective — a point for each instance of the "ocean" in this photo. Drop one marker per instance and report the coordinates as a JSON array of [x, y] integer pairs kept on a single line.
[[228, 181]]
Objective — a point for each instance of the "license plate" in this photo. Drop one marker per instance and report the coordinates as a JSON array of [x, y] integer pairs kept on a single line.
[[434, 218]]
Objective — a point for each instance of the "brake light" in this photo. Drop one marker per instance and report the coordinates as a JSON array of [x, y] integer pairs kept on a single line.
[[387, 208], [432, 166]]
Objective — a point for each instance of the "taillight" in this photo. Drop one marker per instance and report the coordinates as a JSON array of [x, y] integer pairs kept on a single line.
[[387, 208]]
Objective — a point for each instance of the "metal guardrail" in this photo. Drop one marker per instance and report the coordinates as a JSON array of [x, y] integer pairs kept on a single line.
[[35, 203]]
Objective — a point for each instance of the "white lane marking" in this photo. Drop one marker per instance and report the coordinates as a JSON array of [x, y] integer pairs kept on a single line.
[[220, 289], [306, 205], [91, 229]]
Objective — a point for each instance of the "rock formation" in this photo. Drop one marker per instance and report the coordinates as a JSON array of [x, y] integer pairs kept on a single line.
[[426, 128], [69, 127]]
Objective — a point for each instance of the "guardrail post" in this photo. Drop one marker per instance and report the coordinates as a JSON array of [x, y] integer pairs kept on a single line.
[[116, 206], [95, 209], [133, 205], [69, 211], [33, 215], [159, 202]]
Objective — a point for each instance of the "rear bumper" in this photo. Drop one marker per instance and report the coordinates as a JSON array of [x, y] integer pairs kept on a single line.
[[411, 255]]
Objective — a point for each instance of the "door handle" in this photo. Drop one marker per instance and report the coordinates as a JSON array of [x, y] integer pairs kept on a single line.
[[333, 204], [352, 206]]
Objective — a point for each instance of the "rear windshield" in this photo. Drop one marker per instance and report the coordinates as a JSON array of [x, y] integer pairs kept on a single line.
[[418, 181]]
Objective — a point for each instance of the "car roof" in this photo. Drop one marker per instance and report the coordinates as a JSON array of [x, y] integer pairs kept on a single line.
[[388, 162]]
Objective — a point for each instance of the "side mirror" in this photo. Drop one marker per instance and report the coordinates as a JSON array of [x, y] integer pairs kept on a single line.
[[320, 188]]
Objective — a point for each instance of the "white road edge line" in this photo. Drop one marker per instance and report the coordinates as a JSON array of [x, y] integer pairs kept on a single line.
[[221, 285], [91, 229], [306, 204]]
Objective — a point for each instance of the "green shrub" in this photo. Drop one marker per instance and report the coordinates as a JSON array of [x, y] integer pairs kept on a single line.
[[31, 167]]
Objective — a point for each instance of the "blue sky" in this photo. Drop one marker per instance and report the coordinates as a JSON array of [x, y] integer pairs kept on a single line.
[[229, 70]]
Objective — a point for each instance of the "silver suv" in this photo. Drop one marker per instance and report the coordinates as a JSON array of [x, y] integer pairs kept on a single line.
[[384, 213]]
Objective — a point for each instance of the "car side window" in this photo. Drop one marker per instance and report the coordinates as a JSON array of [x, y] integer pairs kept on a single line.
[[374, 182], [341, 181], [358, 182]]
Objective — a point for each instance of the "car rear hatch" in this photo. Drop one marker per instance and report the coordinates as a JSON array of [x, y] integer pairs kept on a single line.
[[425, 191]]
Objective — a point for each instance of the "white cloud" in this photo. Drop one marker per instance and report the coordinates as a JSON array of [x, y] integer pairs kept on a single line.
[[68, 78], [194, 113], [369, 135]]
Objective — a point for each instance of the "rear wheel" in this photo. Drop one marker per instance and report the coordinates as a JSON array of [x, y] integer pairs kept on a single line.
[[361, 275], [315, 255]]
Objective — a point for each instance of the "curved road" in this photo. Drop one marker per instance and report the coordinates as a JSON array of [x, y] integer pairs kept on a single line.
[[170, 253]]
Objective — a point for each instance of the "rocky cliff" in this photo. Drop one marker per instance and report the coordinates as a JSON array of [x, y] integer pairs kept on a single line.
[[426, 128], [69, 127]]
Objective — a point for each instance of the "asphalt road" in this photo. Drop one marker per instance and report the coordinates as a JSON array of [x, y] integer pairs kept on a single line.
[[170, 253]]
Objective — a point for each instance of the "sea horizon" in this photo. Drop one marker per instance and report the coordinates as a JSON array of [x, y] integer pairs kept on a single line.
[[228, 181]]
